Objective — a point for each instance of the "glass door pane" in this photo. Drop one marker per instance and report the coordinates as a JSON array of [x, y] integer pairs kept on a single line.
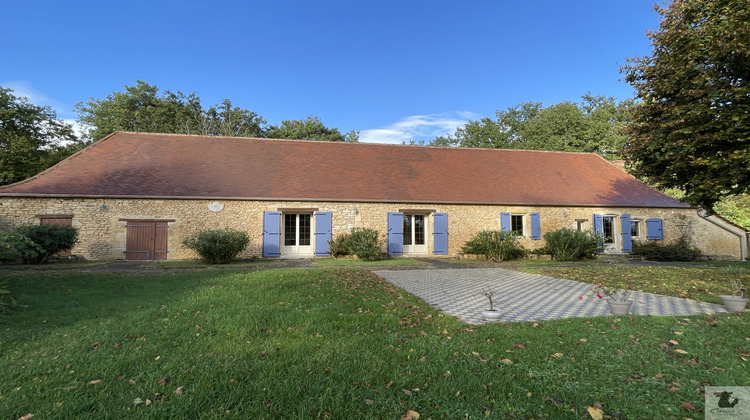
[[290, 229], [407, 229]]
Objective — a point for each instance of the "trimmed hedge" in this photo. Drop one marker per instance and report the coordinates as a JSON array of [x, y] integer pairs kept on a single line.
[[678, 251], [362, 242]]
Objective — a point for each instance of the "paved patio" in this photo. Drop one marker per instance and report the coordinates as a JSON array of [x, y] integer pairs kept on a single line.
[[525, 297]]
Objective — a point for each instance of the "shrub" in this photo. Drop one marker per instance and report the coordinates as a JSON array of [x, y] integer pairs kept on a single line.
[[217, 246], [51, 238], [337, 246], [364, 243], [17, 247], [571, 244], [678, 251], [496, 245]]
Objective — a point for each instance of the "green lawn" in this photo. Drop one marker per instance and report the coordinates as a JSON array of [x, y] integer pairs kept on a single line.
[[335, 343]]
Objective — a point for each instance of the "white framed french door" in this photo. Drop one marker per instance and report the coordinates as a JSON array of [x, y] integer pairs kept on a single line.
[[609, 230], [297, 231], [415, 234]]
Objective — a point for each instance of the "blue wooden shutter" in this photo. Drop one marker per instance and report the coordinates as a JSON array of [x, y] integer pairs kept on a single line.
[[505, 222], [654, 227], [440, 234], [395, 233], [598, 223], [627, 240], [271, 233], [323, 224], [536, 227]]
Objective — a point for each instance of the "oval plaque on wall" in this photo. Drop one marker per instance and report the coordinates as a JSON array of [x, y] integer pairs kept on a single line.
[[216, 207]]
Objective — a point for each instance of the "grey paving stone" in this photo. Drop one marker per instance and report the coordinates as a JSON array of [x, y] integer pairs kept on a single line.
[[525, 297]]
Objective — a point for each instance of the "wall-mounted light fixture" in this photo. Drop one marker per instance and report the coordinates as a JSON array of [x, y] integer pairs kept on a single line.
[[104, 206]]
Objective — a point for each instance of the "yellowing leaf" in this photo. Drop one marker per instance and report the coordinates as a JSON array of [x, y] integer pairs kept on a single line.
[[678, 332], [179, 391], [26, 417], [507, 361], [680, 351], [595, 413], [95, 382], [556, 355], [412, 415], [674, 342]]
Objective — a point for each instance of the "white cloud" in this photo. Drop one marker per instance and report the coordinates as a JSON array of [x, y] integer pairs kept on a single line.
[[418, 127], [22, 88]]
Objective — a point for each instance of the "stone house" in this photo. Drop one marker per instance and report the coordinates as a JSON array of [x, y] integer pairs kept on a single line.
[[137, 196]]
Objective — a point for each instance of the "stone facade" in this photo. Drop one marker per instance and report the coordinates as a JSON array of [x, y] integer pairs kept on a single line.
[[102, 231]]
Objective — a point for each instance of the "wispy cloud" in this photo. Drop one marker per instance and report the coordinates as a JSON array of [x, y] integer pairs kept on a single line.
[[22, 88], [418, 127]]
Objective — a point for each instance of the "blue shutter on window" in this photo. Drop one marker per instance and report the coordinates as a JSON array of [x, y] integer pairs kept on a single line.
[[536, 227], [395, 233], [505, 222], [654, 229], [323, 225], [627, 240], [271, 233], [440, 234], [598, 224]]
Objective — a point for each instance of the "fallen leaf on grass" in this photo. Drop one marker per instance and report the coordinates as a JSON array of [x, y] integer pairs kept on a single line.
[[94, 345], [95, 382], [556, 403], [407, 392], [411, 415], [163, 381], [520, 346], [674, 342], [595, 413], [556, 355], [26, 417], [687, 406], [369, 402], [179, 390], [680, 351], [507, 361], [390, 384], [69, 388]]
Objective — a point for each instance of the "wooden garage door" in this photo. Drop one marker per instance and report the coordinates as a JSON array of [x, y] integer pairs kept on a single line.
[[146, 240], [60, 221]]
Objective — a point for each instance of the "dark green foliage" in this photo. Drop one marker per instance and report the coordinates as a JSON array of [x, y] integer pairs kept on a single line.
[[691, 128], [217, 246], [656, 251], [496, 245], [311, 128], [337, 246], [32, 138], [364, 243], [51, 238], [571, 245], [16, 247]]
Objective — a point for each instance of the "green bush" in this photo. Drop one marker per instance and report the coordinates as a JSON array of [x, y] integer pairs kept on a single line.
[[571, 244], [337, 246], [17, 247], [51, 238], [678, 251], [364, 243], [496, 245], [217, 246]]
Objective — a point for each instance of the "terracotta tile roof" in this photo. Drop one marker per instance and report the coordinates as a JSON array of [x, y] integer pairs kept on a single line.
[[179, 166]]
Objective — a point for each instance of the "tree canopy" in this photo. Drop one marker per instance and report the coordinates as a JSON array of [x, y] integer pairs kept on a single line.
[[311, 128], [141, 108], [595, 125], [691, 129], [32, 138]]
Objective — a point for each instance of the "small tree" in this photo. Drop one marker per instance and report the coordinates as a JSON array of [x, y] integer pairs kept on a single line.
[[51, 238], [364, 243], [496, 245], [217, 246]]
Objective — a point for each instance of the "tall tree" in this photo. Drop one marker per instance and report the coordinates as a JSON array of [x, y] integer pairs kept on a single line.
[[691, 129], [593, 126], [311, 128], [141, 109], [32, 138], [227, 120]]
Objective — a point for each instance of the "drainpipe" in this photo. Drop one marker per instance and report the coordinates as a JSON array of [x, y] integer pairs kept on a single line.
[[743, 256]]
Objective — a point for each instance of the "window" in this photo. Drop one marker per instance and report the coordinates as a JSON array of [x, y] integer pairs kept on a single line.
[[581, 224], [516, 224], [635, 229], [608, 229], [414, 232]]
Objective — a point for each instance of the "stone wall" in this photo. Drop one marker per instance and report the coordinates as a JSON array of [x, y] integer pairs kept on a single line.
[[101, 222]]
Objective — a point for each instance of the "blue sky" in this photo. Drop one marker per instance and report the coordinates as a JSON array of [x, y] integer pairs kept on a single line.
[[393, 70]]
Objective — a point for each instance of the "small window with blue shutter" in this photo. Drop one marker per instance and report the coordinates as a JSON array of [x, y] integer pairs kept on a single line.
[[654, 229]]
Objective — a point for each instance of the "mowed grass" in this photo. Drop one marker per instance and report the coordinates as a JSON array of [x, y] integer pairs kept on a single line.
[[338, 344], [697, 282]]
